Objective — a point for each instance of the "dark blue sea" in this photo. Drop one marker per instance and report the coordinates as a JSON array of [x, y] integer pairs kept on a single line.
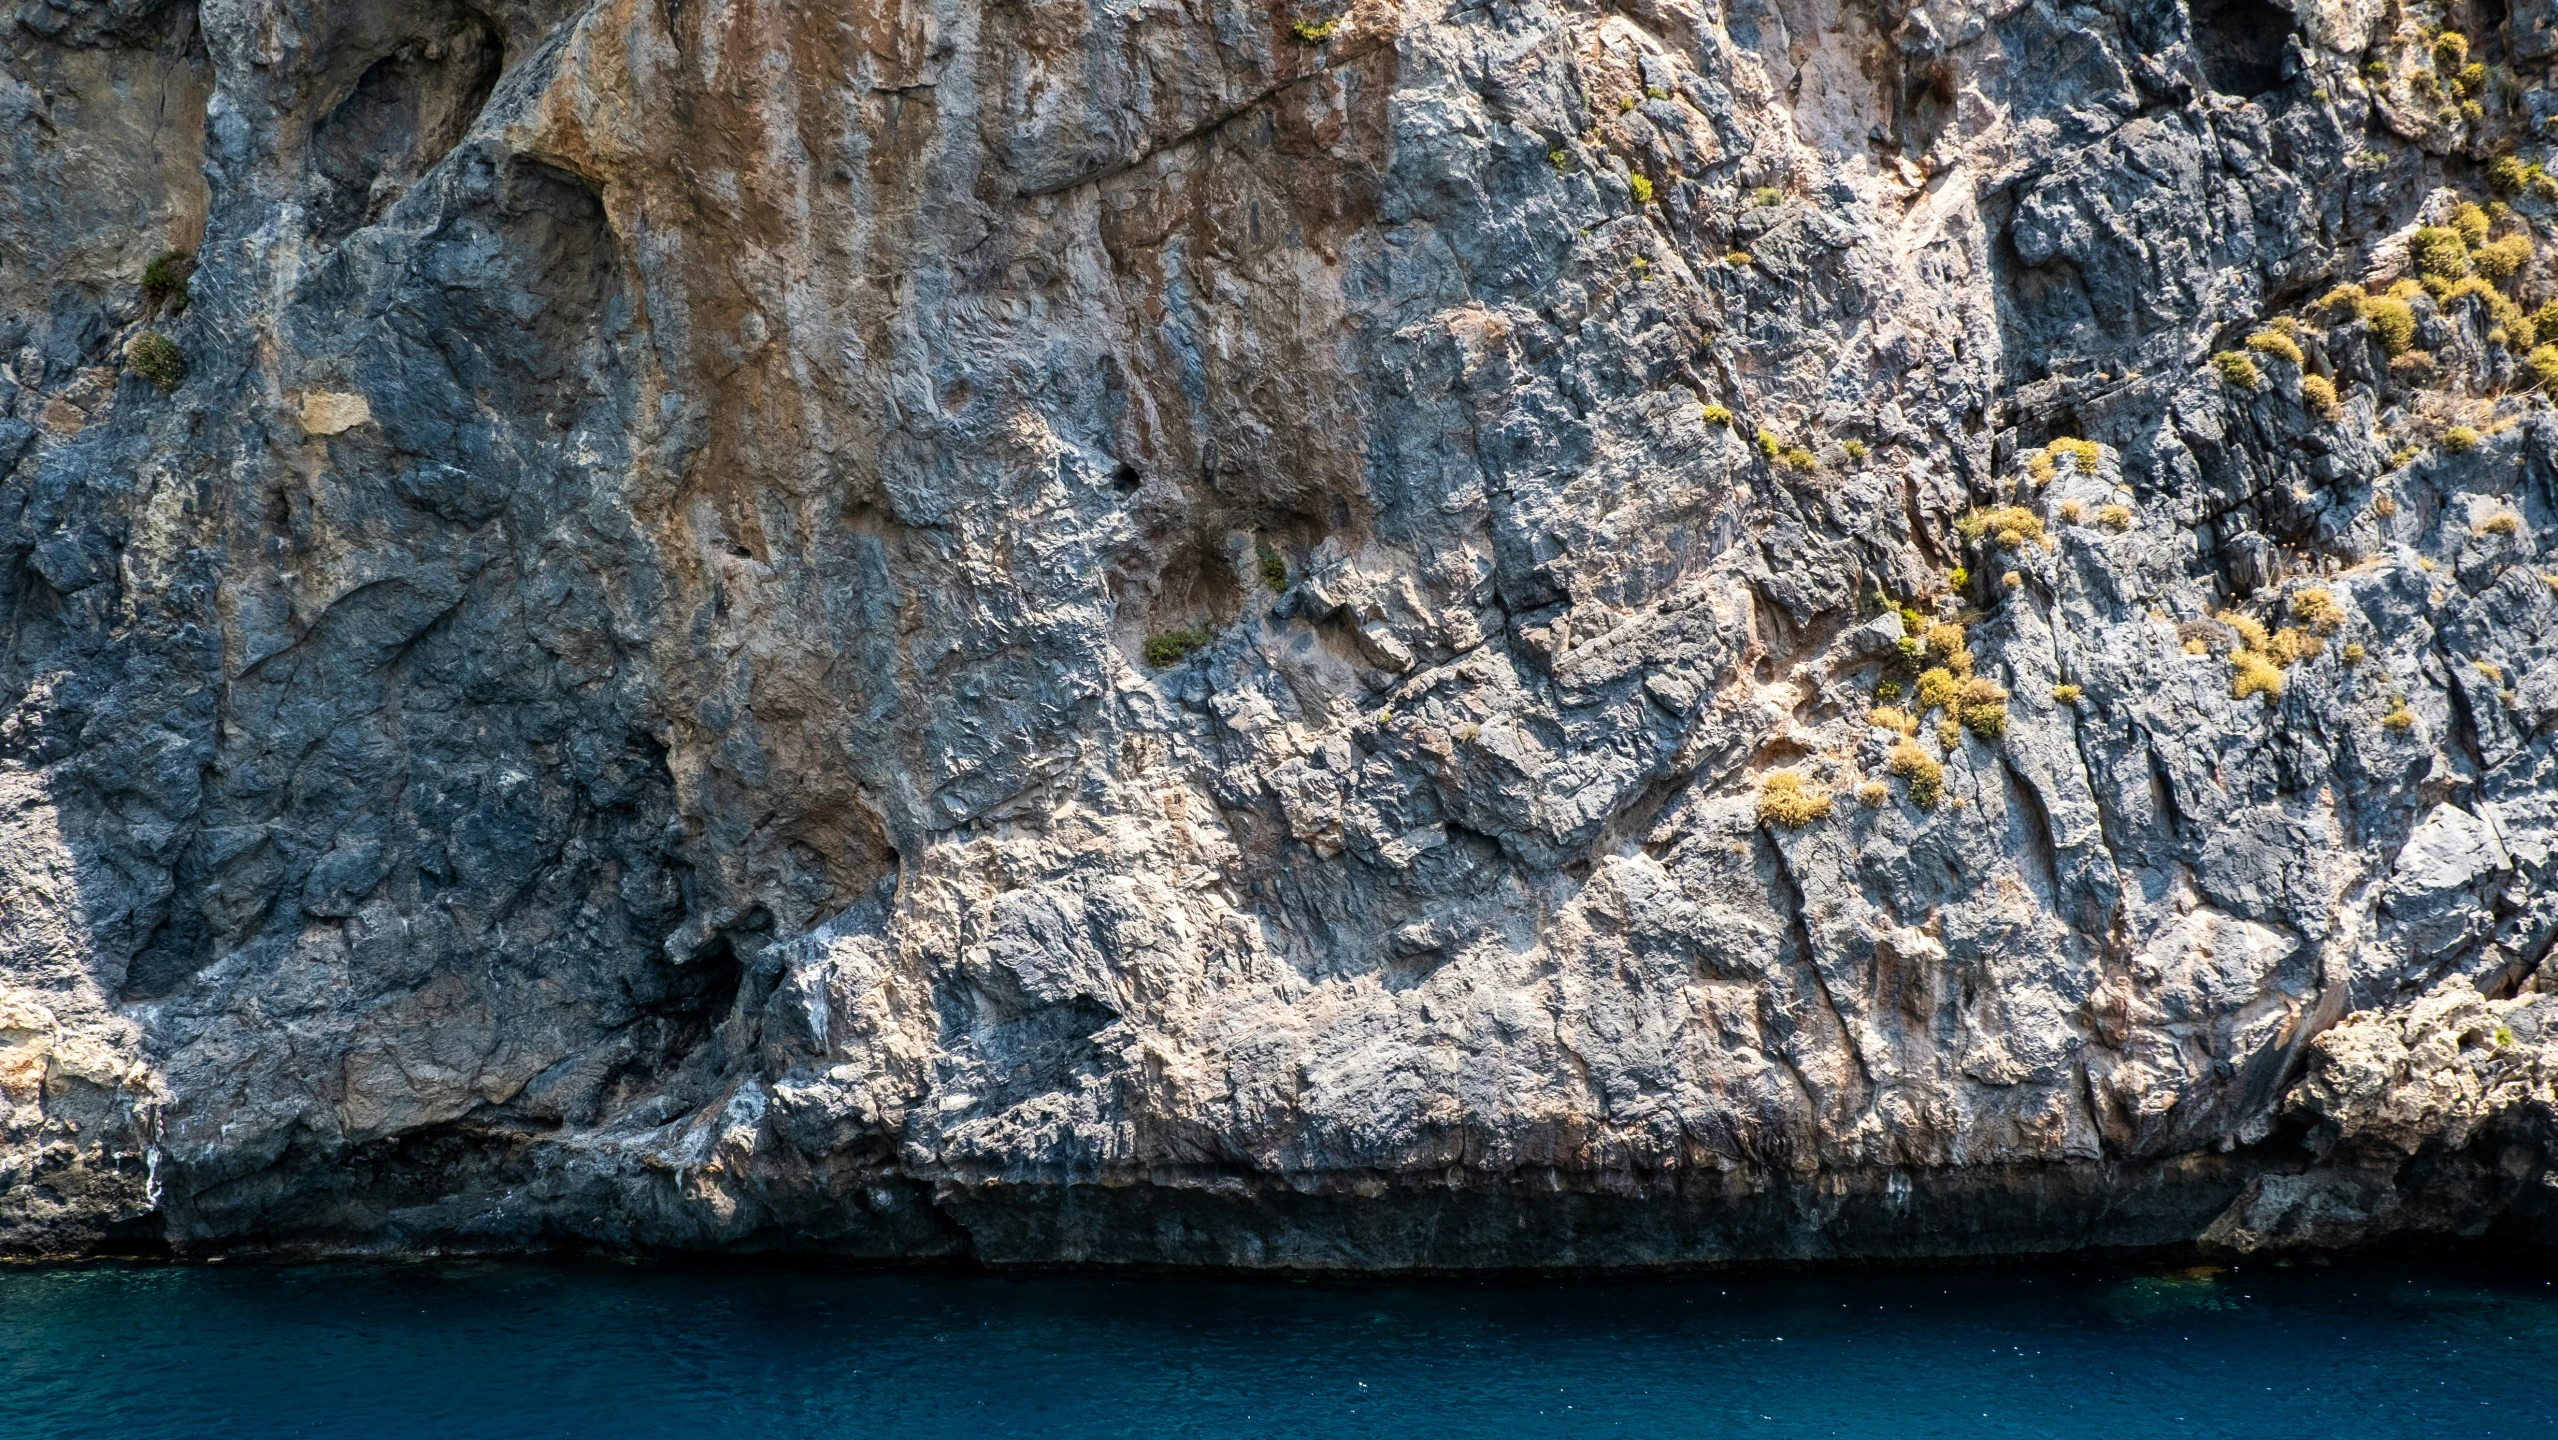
[[486, 1351]]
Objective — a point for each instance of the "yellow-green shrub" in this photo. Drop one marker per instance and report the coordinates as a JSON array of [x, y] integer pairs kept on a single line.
[[2013, 525], [2317, 609], [2320, 392], [2115, 517], [2439, 251], [2236, 368], [2499, 259], [2470, 221], [1785, 799], [1982, 707], [2392, 322], [2460, 440], [1925, 776], [2277, 344], [2254, 674], [1945, 646]]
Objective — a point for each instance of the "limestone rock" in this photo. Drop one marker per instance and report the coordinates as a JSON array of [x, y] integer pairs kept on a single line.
[[1133, 634]]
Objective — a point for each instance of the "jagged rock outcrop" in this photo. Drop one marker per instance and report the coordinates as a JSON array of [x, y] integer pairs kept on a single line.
[[1518, 634]]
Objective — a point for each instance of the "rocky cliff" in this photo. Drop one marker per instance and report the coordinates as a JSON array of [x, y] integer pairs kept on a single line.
[[1272, 634]]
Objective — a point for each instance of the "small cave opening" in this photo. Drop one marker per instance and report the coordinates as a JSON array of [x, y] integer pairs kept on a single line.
[[1929, 91], [1196, 590], [683, 1004], [407, 111], [2241, 44]]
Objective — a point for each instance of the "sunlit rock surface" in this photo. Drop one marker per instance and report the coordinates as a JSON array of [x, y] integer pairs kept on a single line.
[[1158, 633]]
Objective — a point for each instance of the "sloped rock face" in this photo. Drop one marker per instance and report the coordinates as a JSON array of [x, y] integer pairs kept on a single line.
[[1265, 636]]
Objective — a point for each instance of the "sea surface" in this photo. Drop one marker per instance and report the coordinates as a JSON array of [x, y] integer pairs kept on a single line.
[[489, 1351]]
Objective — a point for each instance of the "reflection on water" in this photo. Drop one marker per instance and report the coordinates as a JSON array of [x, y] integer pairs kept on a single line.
[[2150, 1297], [491, 1351]]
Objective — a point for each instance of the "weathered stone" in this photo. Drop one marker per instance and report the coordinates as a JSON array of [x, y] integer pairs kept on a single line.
[[1126, 635]]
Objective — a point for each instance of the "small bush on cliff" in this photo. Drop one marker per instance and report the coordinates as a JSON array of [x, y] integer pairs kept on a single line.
[[2237, 369], [2254, 674], [2438, 251], [2011, 525], [1174, 646], [1786, 800], [2317, 609], [1982, 707], [2277, 344], [1945, 646], [2319, 393], [1718, 415], [1925, 776], [1872, 794], [1937, 688], [2072, 512], [2392, 322], [2499, 259], [1274, 566], [2399, 720], [2115, 517], [156, 358], [1642, 188], [2470, 221], [164, 280], [1314, 34], [2460, 440], [2542, 366], [2065, 695], [2503, 522]]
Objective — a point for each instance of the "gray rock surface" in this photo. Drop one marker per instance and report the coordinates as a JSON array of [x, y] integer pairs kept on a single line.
[[1127, 633]]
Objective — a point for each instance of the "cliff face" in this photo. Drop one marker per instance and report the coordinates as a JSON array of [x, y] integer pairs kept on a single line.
[[1276, 635]]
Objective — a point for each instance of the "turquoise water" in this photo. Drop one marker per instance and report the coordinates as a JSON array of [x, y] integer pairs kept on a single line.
[[490, 1351]]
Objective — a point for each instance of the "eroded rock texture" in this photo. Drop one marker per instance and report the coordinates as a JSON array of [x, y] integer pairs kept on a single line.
[[1277, 635]]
